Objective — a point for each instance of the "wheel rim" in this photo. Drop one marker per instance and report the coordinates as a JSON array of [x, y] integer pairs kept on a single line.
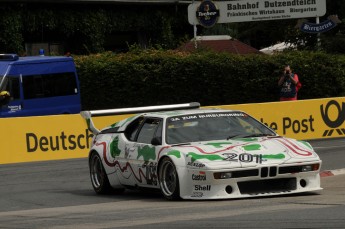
[[96, 171], [168, 178]]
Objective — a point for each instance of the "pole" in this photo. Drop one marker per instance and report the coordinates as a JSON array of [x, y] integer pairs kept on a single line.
[[318, 34], [195, 33]]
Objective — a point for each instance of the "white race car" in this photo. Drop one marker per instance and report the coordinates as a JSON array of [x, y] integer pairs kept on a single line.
[[196, 153]]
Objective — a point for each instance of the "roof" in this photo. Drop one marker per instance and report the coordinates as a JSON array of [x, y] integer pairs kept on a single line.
[[8, 66], [13, 59], [187, 113], [166, 114], [219, 44], [278, 48], [37, 59]]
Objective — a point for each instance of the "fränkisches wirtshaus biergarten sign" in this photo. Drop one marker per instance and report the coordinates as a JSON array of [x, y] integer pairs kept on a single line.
[[259, 10]]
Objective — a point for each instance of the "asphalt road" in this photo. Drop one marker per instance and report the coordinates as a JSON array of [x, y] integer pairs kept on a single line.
[[58, 194], [331, 152]]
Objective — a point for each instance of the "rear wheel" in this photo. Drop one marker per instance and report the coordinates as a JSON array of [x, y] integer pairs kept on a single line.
[[99, 178], [168, 179]]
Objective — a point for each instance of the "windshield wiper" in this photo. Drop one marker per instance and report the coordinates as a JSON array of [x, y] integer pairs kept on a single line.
[[181, 144], [233, 136], [258, 135]]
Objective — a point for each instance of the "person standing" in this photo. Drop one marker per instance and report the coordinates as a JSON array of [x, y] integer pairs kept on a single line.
[[289, 85], [4, 97]]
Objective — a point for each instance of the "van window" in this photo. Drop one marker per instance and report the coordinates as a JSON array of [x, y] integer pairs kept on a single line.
[[49, 85], [12, 86]]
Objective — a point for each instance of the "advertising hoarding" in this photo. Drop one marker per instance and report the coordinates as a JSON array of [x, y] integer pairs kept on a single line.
[[55, 137], [258, 10]]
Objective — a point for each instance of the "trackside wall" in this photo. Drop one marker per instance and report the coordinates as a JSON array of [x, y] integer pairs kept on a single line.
[[41, 138]]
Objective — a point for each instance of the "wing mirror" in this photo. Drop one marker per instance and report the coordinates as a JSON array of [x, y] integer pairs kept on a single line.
[[156, 141]]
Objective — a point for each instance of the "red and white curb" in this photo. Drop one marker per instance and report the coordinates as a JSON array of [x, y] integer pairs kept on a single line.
[[329, 173]]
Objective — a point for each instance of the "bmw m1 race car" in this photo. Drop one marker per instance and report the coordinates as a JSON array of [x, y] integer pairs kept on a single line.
[[193, 153]]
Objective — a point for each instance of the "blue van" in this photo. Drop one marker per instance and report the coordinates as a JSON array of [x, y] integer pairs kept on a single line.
[[38, 85]]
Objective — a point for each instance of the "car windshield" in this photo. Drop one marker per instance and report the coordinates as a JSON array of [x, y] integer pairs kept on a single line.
[[213, 126]]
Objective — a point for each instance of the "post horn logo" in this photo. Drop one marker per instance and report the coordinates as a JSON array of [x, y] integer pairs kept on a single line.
[[207, 13], [333, 124]]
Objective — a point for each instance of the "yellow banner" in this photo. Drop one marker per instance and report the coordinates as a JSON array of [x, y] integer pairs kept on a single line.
[[42, 138], [56, 137], [305, 119]]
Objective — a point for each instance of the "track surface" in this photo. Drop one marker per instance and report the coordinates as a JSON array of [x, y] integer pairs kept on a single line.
[[58, 194]]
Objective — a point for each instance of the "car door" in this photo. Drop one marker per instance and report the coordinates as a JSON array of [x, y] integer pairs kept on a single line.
[[141, 155], [125, 170], [15, 106]]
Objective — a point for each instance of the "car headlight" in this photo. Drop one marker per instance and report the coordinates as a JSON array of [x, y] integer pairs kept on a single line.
[[236, 174], [225, 175], [308, 168]]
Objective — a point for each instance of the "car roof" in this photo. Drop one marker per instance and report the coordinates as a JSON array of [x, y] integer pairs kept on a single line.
[[166, 114]]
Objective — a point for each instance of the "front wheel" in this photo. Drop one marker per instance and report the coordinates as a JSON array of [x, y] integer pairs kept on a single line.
[[168, 179]]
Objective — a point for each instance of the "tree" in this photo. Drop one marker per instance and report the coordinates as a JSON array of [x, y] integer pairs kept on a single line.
[[265, 33]]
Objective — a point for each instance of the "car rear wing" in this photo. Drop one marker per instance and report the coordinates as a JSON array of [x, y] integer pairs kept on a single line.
[[87, 115]]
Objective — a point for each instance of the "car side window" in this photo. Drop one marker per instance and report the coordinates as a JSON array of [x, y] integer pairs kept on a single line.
[[159, 130], [150, 129], [132, 129]]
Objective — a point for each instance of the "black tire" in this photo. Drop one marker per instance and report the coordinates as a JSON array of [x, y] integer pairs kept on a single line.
[[168, 179], [99, 178]]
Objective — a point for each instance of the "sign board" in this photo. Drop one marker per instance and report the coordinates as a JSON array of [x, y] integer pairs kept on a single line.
[[259, 10], [55, 137], [322, 27]]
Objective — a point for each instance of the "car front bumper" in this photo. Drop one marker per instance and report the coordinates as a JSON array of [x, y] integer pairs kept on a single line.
[[250, 182]]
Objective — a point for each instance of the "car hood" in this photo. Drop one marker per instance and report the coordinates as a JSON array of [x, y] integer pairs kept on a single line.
[[247, 152]]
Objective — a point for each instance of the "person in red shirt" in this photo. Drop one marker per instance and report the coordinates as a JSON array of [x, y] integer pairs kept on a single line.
[[289, 85]]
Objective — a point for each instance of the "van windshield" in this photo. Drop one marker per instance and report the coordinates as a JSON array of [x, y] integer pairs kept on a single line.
[[2, 87]]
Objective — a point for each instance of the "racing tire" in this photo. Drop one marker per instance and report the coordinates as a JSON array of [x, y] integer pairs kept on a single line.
[[168, 179], [99, 178]]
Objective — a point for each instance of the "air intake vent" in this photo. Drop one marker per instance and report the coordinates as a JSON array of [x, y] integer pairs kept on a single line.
[[273, 171], [256, 187], [264, 172], [269, 171]]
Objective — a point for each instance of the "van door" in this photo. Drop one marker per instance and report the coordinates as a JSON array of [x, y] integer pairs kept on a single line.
[[15, 104]]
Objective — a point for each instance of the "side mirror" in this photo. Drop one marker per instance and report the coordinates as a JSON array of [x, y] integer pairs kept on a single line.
[[156, 141], [4, 97]]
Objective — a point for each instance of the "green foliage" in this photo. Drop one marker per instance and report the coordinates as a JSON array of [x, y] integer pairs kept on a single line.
[[154, 77], [84, 28], [11, 26], [93, 28]]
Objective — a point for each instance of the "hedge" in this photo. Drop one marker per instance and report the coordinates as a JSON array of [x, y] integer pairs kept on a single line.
[[153, 77]]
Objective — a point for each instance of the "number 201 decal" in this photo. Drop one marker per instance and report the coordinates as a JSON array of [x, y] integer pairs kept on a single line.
[[243, 157]]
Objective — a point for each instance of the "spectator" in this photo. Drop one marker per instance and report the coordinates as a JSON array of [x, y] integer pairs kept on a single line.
[[4, 97], [289, 85]]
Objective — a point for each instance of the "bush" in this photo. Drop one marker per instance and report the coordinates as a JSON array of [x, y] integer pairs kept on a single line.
[[152, 77]]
